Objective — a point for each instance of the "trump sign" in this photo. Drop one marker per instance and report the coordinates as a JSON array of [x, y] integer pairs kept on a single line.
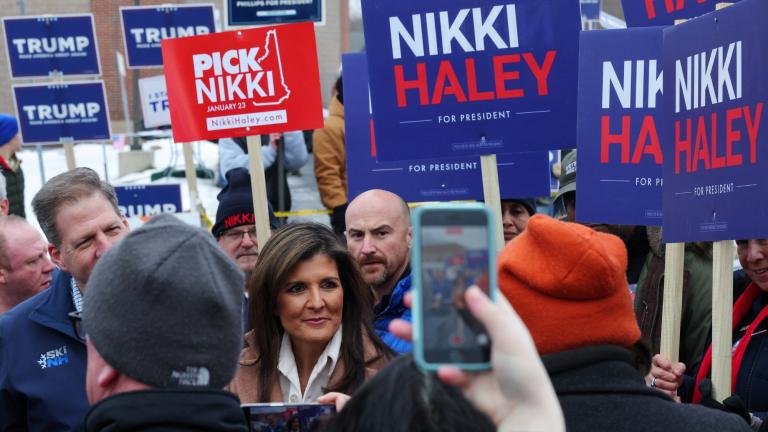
[[243, 82]]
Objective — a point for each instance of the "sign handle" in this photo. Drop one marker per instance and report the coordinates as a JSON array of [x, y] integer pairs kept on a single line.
[[722, 318], [672, 306], [259, 190], [492, 195], [189, 169], [69, 153]]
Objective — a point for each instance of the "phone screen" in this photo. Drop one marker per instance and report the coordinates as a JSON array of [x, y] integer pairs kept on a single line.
[[285, 417], [454, 256]]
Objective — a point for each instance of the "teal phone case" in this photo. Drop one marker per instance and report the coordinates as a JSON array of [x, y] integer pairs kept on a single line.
[[418, 319]]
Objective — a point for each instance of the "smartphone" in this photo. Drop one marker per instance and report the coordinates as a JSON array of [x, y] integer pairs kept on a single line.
[[270, 417], [453, 249]]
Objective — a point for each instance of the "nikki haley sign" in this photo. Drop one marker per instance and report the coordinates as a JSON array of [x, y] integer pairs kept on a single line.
[[472, 77]]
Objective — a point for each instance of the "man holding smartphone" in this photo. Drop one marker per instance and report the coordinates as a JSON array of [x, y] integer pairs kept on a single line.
[[379, 238]]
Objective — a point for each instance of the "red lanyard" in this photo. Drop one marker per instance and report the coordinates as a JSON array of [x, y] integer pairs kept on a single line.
[[740, 309]]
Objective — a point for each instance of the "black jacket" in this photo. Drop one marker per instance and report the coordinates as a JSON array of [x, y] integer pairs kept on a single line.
[[600, 389], [14, 186], [168, 410]]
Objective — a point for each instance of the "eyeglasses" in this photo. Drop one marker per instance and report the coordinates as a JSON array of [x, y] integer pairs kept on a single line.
[[76, 318], [236, 236]]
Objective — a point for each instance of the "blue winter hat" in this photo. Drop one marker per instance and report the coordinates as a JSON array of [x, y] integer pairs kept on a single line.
[[9, 127]]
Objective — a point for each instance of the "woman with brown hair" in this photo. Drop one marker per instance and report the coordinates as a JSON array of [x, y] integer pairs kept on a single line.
[[310, 321]]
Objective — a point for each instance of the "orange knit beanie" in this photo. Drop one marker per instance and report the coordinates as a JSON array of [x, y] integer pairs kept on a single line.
[[568, 284]]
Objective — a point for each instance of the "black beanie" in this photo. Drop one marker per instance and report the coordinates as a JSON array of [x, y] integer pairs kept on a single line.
[[236, 203]]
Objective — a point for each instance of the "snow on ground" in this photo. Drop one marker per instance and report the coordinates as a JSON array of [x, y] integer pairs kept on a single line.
[[166, 153]]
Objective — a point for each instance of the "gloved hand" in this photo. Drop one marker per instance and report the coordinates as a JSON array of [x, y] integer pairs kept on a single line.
[[732, 404]]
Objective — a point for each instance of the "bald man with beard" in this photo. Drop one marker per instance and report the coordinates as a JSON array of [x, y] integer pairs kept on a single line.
[[379, 238]]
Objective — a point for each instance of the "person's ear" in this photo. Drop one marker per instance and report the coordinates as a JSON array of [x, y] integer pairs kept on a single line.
[[55, 255], [409, 236], [107, 376], [4, 206]]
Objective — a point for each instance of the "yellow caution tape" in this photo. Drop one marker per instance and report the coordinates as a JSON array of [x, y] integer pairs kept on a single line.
[[301, 213]]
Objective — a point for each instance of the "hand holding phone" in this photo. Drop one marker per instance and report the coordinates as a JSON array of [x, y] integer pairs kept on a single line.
[[517, 393], [453, 249]]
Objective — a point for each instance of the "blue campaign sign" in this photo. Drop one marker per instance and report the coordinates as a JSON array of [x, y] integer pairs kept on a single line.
[[619, 121], [145, 26], [590, 9], [715, 162], [647, 13], [473, 77], [148, 200], [262, 12], [65, 112], [521, 175], [47, 45]]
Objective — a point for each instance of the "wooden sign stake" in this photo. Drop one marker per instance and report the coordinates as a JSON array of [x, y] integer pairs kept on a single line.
[[259, 189], [69, 153], [672, 308], [191, 174], [492, 195], [722, 318]]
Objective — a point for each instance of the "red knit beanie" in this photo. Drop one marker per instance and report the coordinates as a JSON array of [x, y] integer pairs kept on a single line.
[[568, 284]]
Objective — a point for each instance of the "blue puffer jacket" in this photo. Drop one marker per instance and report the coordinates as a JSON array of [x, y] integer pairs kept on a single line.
[[392, 307], [42, 363]]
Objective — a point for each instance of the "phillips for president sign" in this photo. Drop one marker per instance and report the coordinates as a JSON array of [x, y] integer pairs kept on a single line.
[[245, 82]]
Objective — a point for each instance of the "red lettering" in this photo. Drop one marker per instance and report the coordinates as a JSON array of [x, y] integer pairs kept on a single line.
[[683, 145], [420, 84], [373, 141], [649, 135], [731, 136], [501, 76], [446, 73], [541, 72], [606, 139], [650, 9], [717, 161], [701, 147], [474, 95], [752, 130]]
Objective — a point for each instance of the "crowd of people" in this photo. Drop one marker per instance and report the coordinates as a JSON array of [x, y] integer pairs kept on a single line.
[[171, 327]]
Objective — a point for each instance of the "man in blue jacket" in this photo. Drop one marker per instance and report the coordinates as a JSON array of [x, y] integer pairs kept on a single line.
[[379, 238], [42, 361]]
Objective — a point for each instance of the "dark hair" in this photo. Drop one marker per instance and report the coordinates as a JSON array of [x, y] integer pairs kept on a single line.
[[68, 188], [289, 246], [402, 398], [339, 87]]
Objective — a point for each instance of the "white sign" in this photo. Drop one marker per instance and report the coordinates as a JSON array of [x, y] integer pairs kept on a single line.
[[154, 101]]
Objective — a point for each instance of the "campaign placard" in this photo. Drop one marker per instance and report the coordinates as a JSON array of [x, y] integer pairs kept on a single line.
[[619, 121], [647, 13], [51, 45], [243, 82], [154, 101], [715, 162], [148, 200], [145, 26], [64, 112], [262, 12], [521, 175], [473, 77]]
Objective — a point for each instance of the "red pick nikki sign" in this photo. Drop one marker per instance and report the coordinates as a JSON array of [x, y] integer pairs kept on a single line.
[[243, 82]]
